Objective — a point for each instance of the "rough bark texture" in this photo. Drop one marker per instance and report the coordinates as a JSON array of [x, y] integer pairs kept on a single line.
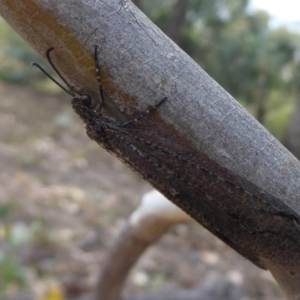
[[229, 173]]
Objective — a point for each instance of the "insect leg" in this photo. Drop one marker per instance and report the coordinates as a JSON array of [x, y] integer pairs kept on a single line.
[[145, 113]]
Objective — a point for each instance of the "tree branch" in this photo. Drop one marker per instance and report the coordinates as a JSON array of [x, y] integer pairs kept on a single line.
[[201, 149], [151, 219]]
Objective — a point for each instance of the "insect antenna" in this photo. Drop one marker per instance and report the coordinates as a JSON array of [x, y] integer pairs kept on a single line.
[[71, 91]]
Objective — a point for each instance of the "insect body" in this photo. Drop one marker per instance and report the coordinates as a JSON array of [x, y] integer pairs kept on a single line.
[[255, 224], [82, 105]]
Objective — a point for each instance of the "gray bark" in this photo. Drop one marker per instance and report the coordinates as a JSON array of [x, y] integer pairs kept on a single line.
[[243, 162]]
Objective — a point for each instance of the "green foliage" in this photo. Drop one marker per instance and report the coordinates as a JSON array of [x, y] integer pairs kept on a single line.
[[11, 270], [5, 210], [241, 52], [279, 113], [14, 239], [11, 273], [16, 57]]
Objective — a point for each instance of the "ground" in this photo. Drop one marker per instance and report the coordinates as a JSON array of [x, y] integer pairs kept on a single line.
[[62, 199]]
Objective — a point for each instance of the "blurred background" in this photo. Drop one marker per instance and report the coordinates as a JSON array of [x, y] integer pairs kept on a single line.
[[62, 198]]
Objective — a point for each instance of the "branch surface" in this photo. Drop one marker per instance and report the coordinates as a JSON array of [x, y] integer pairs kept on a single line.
[[203, 150]]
